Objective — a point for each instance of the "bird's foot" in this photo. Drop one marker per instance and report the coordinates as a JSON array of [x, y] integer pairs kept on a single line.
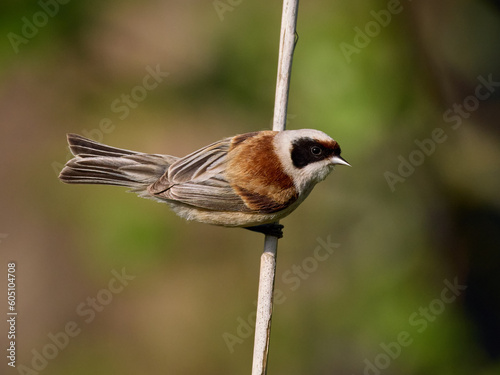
[[272, 229]]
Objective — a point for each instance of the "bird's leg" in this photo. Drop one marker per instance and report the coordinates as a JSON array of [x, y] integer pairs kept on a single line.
[[272, 229]]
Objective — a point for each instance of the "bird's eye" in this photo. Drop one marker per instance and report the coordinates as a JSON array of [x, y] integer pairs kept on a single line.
[[316, 150]]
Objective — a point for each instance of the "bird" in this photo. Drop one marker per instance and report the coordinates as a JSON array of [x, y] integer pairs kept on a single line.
[[250, 180]]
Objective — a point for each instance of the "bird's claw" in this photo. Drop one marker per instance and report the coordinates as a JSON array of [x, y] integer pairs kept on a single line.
[[272, 229]]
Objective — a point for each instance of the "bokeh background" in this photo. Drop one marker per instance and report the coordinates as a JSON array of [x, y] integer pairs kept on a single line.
[[391, 296]]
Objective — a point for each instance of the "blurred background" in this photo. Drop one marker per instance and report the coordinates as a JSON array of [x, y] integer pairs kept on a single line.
[[390, 267]]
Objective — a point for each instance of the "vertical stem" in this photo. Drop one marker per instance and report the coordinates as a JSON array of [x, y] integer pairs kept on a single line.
[[268, 258], [287, 45], [264, 306]]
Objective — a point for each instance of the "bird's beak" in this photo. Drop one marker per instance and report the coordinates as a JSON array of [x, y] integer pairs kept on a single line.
[[339, 160]]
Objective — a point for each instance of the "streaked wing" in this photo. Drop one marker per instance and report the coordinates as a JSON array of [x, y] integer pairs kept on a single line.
[[205, 196], [202, 164], [198, 180]]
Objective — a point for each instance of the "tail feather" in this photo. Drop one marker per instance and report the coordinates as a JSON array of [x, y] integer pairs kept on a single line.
[[96, 163], [84, 147]]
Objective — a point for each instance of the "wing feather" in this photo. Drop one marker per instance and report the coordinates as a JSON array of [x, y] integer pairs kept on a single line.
[[208, 197], [201, 164], [199, 180]]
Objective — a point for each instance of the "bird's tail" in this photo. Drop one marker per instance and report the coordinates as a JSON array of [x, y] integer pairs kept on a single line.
[[96, 163]]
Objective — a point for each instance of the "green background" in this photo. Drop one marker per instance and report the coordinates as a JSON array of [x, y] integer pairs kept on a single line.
[[381, 302]]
